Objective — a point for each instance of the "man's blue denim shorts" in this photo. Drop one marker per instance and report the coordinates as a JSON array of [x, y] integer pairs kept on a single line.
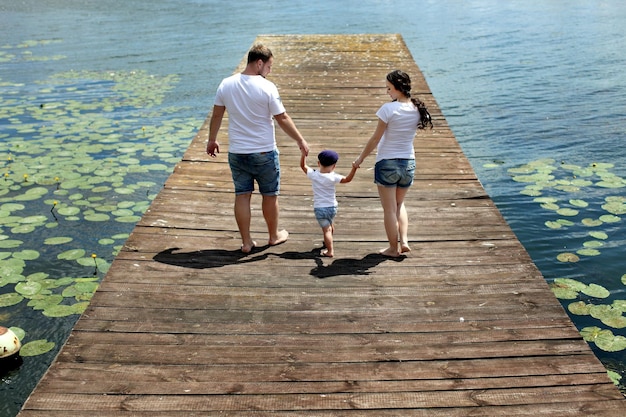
[[394, 172], [325, 215], [264, 168]]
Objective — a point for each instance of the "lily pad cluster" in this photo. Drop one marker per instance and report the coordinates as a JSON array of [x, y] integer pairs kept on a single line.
[[581, 200], [562, 189], [82, 155]]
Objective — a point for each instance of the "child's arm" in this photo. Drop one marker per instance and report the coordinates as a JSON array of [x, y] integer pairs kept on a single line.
[[303, 164], [350, 175]]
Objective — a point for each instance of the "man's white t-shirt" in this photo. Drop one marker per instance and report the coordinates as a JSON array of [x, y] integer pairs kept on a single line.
[[251, 101], [323, 187], [397, 141]]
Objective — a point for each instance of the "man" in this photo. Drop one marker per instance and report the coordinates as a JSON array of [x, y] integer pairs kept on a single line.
[[253, 103]]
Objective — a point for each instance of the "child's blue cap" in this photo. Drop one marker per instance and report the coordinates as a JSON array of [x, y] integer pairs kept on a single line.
[[328, 157]]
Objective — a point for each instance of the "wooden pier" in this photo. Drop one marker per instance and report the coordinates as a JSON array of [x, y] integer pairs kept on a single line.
[[465, 325]]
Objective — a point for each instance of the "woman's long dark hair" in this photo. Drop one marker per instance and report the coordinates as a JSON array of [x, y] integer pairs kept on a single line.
[[402, 82]]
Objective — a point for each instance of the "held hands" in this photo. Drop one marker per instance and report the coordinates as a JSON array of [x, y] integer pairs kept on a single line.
[[304, 147]]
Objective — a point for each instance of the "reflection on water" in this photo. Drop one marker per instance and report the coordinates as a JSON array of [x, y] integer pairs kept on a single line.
[[517, 82]]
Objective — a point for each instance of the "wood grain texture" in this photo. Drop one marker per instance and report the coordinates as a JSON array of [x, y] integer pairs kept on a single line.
[[184, 324]]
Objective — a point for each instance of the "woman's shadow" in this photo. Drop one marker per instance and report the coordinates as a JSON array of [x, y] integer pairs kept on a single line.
[[217, 258]]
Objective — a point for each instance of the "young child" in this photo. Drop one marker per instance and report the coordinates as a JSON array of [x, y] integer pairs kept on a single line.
[[324, 198]]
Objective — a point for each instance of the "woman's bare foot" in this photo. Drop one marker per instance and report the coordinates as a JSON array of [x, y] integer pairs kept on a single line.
[[247, 248], [404, 247], [281, 237], [325, 252], [390, 252]]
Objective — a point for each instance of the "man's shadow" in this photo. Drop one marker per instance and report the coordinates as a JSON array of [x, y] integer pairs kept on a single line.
[[210, 258], [217, 258]]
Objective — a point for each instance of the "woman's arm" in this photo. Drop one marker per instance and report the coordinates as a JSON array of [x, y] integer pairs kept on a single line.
[[371, 143]]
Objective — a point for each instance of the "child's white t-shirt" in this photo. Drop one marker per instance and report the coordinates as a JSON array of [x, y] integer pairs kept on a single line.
[[323, 187]]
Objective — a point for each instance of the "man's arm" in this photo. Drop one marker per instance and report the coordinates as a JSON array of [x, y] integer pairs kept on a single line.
[[212, 147], [289, 127]]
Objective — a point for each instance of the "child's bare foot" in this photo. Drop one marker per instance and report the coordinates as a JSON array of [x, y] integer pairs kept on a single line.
[[390, 252], [281, 237], [325, 252], [247, 248], [404, 247]]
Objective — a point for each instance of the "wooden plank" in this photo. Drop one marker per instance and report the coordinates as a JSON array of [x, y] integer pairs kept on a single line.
[[185, 324]]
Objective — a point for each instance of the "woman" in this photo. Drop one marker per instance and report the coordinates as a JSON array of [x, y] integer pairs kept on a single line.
[[395, 159]]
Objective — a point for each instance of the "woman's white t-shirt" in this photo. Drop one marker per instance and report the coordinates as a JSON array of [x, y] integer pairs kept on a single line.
[[323, 187], [251, 102], [397, 141]]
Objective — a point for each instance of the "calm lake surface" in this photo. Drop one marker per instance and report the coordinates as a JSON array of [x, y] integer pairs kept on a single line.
[[518, 82]]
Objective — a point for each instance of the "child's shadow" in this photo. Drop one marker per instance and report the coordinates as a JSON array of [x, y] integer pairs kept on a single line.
[[340, 266], [350, 266]]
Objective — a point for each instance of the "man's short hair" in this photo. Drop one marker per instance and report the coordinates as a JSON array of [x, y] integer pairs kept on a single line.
[[259, 51]]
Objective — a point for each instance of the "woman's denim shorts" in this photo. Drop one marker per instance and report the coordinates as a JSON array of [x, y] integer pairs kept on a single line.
[[394, 172], [325, 215], [264, 168]]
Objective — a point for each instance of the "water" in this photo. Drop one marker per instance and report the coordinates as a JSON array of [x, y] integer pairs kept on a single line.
[[517, 81]]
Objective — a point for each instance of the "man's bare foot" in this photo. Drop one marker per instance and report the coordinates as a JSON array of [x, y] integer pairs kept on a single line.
[[325, 252], [404, 247], [390, 252], [281, 237], [247, 248]]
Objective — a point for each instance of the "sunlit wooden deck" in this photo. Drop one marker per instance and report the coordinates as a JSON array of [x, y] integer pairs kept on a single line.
[[185, 325]]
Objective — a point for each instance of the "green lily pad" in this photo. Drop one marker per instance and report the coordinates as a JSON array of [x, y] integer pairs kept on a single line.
[[615, 207], [97, 217], [609, 218], [28, 288], [45, 302], [608, 342], [34, 219], [10, 243], [71, 254], [128, 219], [18, 331], [61, 310], [567, 257], [594, 290], [553, 225], [591, 222], [599, 235], [567, 212], [27, 255], [614, 377], [25, 228], [588, 252], [36, 347], [550, 206], [564, 293], [579, 203], [68, 211], [579, 308], [57, 240], [570, 283], [618, 322], [10, 299]]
